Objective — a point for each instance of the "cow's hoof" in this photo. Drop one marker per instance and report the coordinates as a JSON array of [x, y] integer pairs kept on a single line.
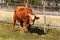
[[12, 29], [26, 31], [22, 31]]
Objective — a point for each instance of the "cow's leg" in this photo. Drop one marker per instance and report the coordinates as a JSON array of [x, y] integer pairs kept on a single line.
[[29, 26], [26, 28], [13, 24], [21, 26]]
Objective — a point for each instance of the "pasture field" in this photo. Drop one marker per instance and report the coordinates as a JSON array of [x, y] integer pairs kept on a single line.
[[35, 33]]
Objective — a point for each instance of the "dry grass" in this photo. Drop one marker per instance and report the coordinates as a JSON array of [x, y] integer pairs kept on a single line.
[[55, 20]]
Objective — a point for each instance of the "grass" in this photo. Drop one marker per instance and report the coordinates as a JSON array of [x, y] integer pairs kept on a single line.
[[35, 33]]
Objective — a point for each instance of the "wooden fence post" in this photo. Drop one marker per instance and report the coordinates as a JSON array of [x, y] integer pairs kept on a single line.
[[44, 16], [26, 3]]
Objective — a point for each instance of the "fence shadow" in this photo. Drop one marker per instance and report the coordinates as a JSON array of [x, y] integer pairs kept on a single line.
[[36, 30]]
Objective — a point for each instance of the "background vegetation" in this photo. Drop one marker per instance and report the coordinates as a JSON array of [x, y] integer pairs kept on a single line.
[[35, 2]]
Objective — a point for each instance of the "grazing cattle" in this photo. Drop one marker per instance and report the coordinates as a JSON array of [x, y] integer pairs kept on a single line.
[[24, 15]]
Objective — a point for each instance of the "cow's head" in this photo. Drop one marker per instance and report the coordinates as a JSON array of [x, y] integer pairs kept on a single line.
[[32, 18]]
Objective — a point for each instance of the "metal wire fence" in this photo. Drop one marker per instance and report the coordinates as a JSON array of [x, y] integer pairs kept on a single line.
[[52, 14]]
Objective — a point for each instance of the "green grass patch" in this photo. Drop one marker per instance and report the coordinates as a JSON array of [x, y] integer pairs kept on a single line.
[[35, 33]]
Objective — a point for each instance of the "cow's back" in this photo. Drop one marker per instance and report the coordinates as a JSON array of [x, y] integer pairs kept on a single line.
[[21, 12]]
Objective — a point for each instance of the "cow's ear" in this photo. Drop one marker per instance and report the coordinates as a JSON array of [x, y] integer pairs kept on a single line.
[[36, 17]]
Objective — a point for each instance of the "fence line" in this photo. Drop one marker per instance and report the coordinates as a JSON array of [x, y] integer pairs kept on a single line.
[[53, 18], [54, 13]]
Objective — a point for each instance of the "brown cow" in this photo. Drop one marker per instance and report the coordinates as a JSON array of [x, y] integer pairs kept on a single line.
[[24, 15]]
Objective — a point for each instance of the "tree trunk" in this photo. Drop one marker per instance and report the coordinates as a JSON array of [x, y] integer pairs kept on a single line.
[[47, 3]]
